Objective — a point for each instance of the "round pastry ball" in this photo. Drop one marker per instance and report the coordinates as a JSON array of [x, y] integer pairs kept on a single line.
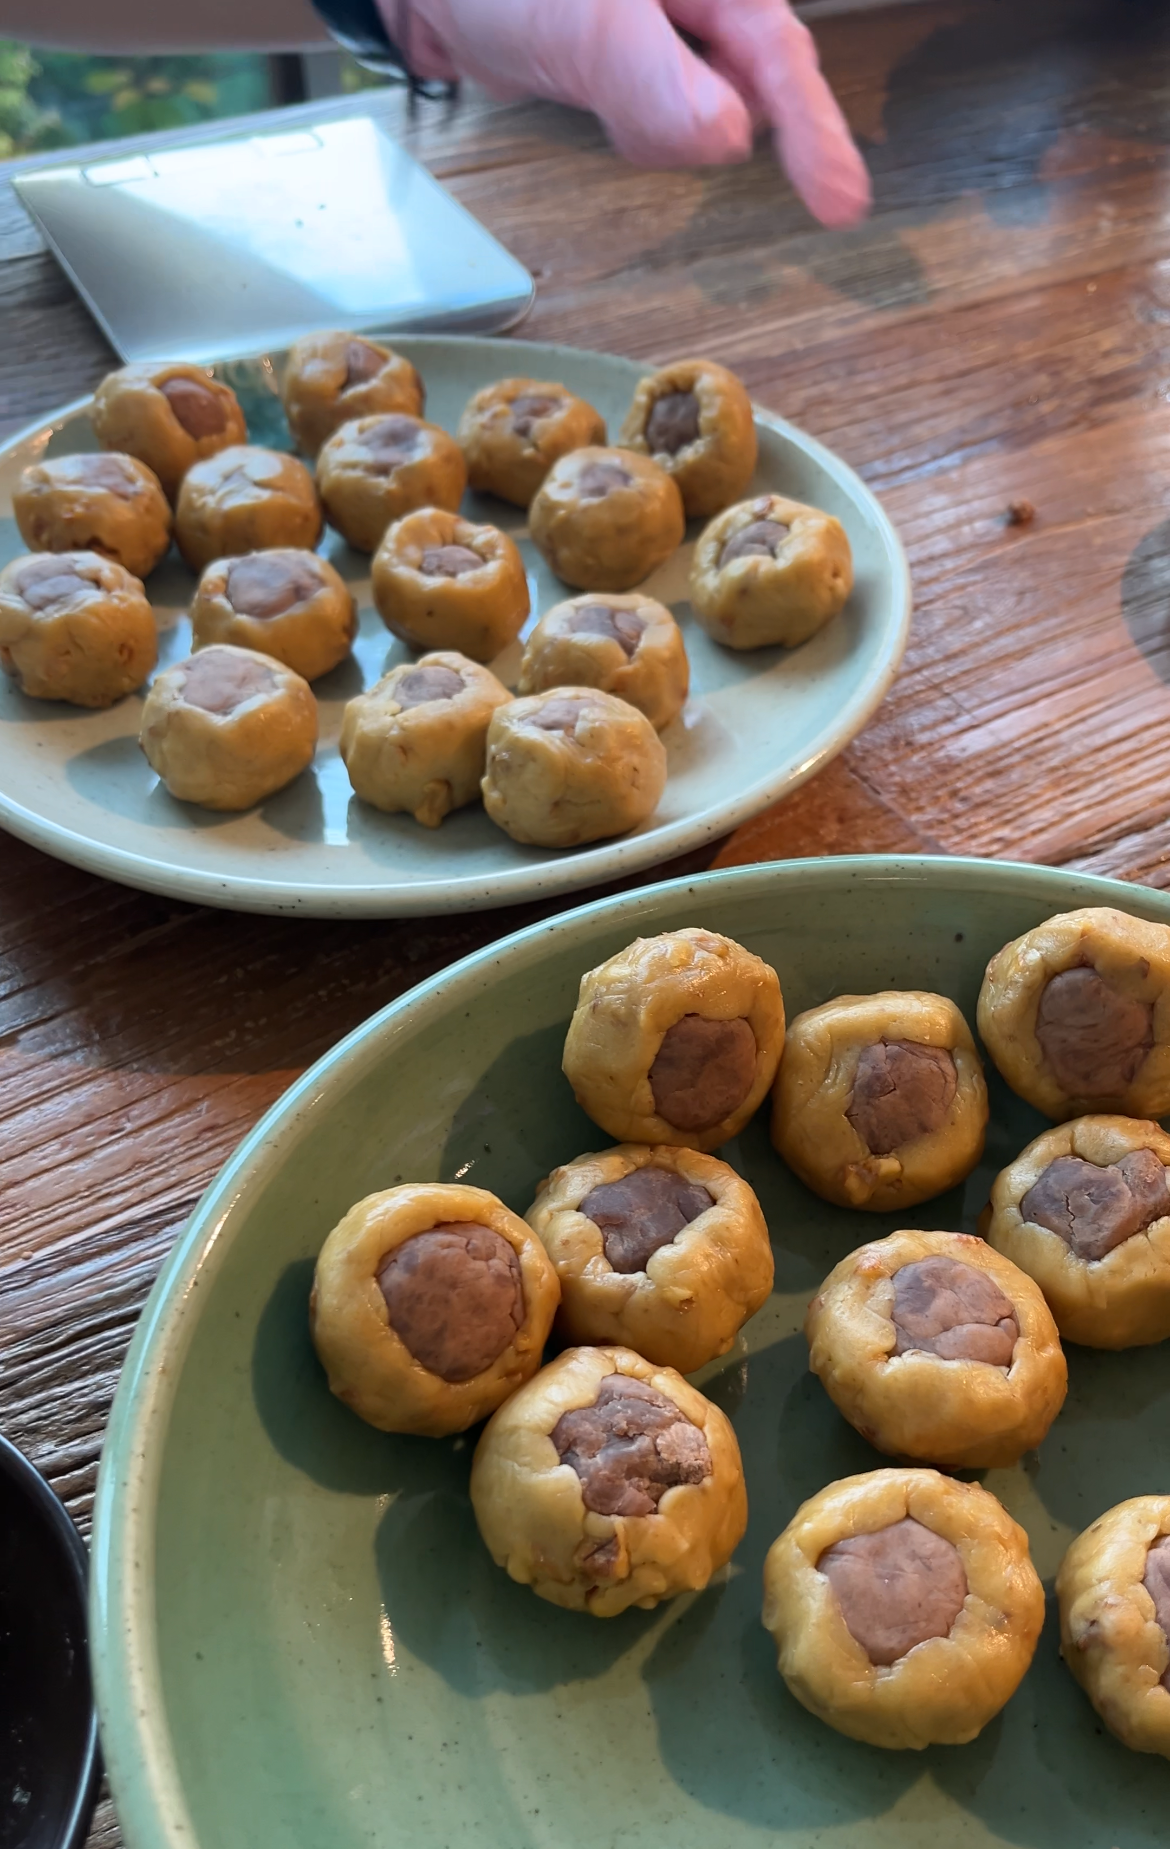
[[607, 1482], [570, 766], [695, 419], [770, 571], [108, 504], [628, 645], [75, 626], [169, 415], [880, 1101], [334, 377], [676, 1039], [1085, 1210], [375, 469], [431, 1303], [285, 602], [440, 582], [936, 1348], [1076, 1014], [245, 500], [1113, 1588], [415, 742], [904, 1606], [512, 432], [604, 519], [228, 727], [659, 1248]]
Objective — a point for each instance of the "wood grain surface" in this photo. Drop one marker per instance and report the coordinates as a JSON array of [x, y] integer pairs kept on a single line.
[[996, 333]]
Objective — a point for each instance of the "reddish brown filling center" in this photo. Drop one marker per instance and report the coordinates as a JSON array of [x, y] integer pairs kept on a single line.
[[454, 1297], [625, 627], [702, 1071], [902, 1090], [1157, 1584], [362, 363], [449, 561], [673, 423], [200, 411], [391, 442], [423, 685], [218, 682], [529, 409], [896, 1587], [597, 479], [630, 1447], [943, 1307], [1096, 1208], [558, 715], [49, 580], [110, 473], [643, 1211], [1093, 1037], [757, 541], [267, 584]]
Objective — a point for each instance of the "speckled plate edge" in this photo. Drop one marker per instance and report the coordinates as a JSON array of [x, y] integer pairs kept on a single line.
[[560, 873], [127, 1677]]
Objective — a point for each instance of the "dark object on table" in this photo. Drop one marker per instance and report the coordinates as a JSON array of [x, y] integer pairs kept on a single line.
[[1019, 513], [49, 1767], [357, 25]]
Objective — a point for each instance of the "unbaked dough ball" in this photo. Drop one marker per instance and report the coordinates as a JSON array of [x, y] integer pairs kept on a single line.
[[936, 1348], [1114, 1593], [880, 1101], [441, 582], [770, 571], [607, 1482], [375, 469], [415, 742], [169, 415], [904, 1606], [245, 500], [1085, 1210], [228, 727], [431, 1304], [659, 1248], [676, 1039], [75, 626], [627, 645], [513, 431], [695, 419], [285, 602], [570, 766], [334, 377], [1076, 1014], [108, 504], [604, 519]]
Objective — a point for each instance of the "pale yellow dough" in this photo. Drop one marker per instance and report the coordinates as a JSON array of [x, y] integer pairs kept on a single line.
[[111, 504], [625, 1008], [654, 678], [1119, 1301], [814, 1091], [943, 1691], [478, 612], [716, 466], [695, 1293], [333, 377], [310, 636], [169, 415], [75, 626], [781, 597], [368, 1366], [1131, 955], [245, 499], [532, 1514], [233, 759], [560, 786], [608, 541], [512, 462], [423, 759], [373, 470], [961, 1414], [1109, 1634]]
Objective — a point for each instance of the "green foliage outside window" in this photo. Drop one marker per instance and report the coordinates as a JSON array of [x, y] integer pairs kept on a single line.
[[53, 99]]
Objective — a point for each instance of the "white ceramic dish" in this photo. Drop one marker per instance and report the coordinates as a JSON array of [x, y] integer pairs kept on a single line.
[[75, 784]]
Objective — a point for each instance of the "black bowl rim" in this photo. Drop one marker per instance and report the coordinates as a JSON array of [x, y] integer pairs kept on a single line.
[[69, 1544]]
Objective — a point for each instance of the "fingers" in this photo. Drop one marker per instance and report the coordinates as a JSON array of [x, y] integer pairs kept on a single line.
[[660, 104], [771, 55]]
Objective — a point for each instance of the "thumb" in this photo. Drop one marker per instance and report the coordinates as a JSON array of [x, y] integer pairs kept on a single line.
[[660, 105]]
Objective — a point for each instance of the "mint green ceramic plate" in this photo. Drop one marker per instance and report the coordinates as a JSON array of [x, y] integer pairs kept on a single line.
[[300, 1641], [757, 724]]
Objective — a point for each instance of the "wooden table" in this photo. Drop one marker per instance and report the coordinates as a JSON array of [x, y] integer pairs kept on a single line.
[[996, 333]]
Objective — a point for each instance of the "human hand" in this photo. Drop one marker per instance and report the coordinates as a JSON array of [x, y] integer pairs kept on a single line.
[[660, 103]]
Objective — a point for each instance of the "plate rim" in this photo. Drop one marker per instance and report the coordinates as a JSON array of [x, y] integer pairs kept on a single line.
[[564, 871], [143, 1775]]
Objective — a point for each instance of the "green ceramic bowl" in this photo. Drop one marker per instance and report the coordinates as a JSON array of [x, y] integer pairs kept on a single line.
[[299, 1639]]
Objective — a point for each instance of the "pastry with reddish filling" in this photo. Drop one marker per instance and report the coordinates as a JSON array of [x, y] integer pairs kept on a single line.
[[628, 645], [570, 766], [331, 378], [75, 626], [443, 582], [107, 503], [1113, 1589], [169, 414], [512, 432], [416, 741], [695, 419], [604, 519], [228, 727], [245, 499], [373, 470], [285, 602], [770, 571]]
